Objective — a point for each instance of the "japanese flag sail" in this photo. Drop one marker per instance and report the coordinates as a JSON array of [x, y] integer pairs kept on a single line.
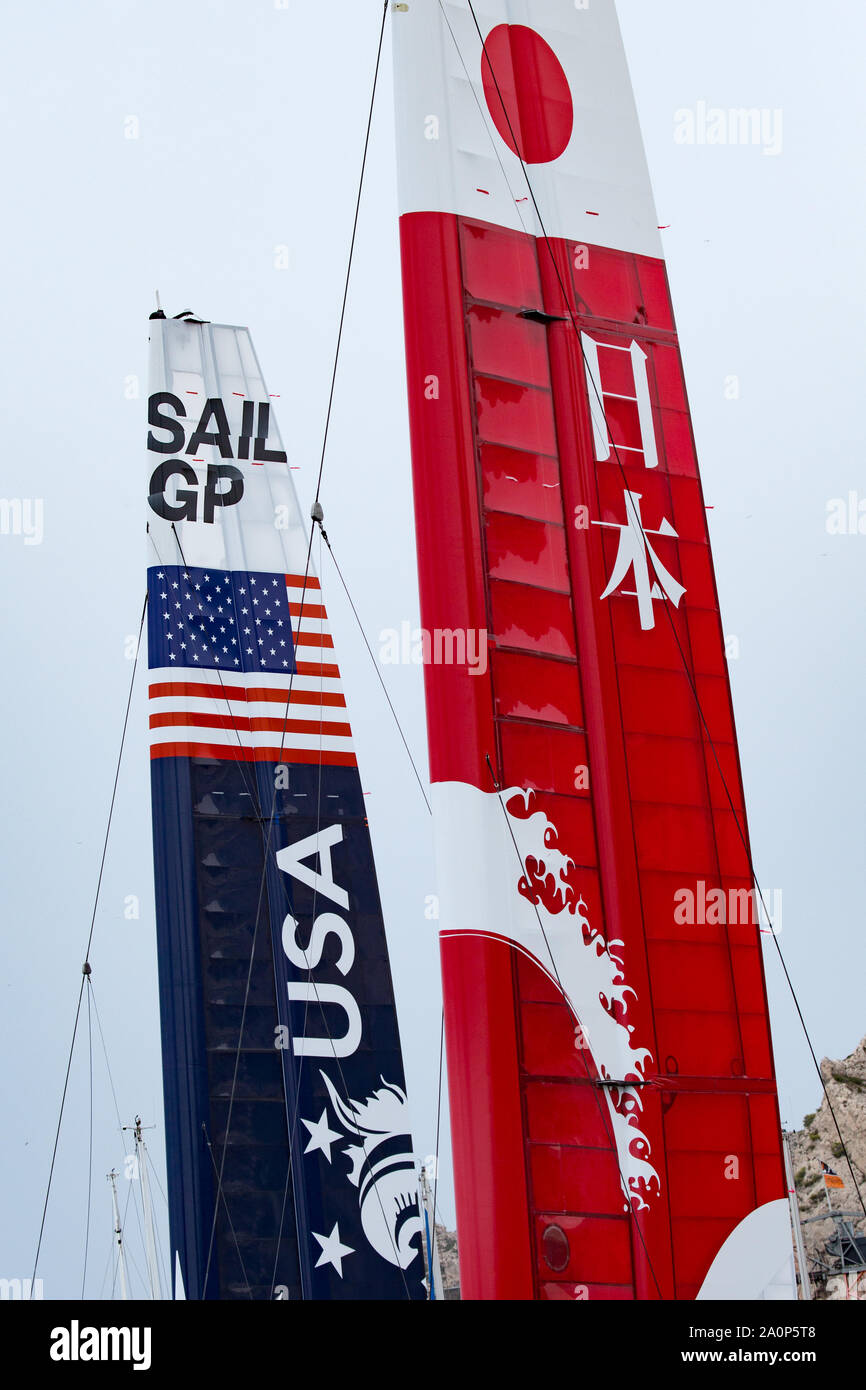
[[615, 1123], [290, 1163]]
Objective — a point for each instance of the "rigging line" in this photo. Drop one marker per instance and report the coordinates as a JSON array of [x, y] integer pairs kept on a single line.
[[126, 1248], [493, 143], [166, 1269], [352, 247], [379, 675], [297, 1080], [261, 887], [240, 762], [90, 1141], [166, 1266], [87, 952], [303, 595], [107, 1268], [736, 815], [436, 1150], [116, 777], [692, 684], [258, 809], [207, 1141], [92, 996], [219, 1192], [310, 980], [605, 1118], [57, 1135]]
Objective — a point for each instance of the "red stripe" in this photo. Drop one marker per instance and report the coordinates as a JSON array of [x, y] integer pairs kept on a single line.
[[308, 610], [231, 753], [166, 689], [313, 639], [296, 581], [186, 720], [310, 668]]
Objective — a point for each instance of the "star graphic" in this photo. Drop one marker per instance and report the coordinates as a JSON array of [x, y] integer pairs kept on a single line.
[[321, 1137], [333, 1253]]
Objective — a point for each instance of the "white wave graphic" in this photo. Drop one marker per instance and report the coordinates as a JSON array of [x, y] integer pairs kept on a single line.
[[542, 914]]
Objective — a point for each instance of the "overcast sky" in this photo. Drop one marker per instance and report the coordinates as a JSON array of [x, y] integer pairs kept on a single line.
[[248, 123]]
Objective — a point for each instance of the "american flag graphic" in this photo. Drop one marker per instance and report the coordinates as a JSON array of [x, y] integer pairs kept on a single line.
[[241, 666]]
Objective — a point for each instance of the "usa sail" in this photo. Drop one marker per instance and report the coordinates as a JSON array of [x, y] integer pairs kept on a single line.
[[615, 1123], [290, 1162]]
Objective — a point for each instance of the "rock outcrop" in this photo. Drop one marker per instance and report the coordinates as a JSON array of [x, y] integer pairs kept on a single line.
[[818, 1141]]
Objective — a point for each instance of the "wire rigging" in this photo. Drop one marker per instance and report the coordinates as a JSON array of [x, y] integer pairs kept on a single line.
[[639, 524], [271, 819], [90, 1138], [86, 966], [379, 675]]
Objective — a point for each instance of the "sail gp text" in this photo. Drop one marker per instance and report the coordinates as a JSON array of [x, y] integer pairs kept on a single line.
[[176, 492]]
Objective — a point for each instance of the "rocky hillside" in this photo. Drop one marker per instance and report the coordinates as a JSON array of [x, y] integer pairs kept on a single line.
[[446, 1245], [818, 1141]]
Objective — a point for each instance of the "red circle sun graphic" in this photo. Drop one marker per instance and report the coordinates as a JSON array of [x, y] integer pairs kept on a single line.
[[527, 93]]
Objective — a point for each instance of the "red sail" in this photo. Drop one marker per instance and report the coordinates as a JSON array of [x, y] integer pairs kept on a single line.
[[613, 1104]]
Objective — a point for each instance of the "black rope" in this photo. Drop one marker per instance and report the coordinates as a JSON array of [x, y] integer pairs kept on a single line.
[[87, 952], [90, 1140], [209, 1145], [379, 675], [605, 1118], [352, 247], [91, 994], [436, 1147], [692, 684], [271, 817]]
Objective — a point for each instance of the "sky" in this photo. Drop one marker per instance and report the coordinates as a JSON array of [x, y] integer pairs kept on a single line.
[[210, 149]]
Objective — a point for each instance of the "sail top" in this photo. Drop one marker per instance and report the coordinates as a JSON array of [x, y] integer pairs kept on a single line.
[[561, 102]]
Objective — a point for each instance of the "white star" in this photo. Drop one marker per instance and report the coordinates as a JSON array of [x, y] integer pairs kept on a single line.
[[333, 1253], [321, 1136]]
